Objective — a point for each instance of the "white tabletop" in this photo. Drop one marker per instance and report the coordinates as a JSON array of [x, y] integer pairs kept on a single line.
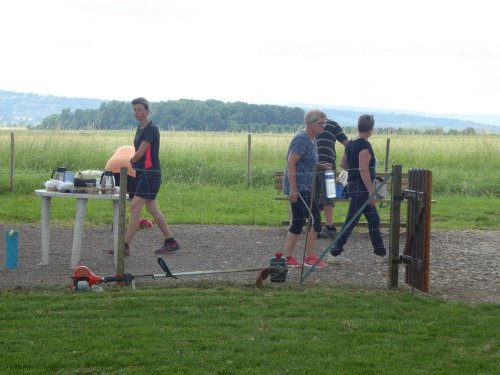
[[53, 193]]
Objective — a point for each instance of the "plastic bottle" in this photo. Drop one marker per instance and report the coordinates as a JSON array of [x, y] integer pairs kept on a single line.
[[330, 184], [12, 245]]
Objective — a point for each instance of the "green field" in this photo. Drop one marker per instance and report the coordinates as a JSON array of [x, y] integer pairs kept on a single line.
[[206, 181], [220, 329], [214, 329]]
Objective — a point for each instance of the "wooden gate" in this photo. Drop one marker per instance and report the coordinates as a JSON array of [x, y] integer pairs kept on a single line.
[[416, 252]]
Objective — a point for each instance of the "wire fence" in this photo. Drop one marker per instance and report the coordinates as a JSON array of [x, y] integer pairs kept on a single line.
[[228, 159]]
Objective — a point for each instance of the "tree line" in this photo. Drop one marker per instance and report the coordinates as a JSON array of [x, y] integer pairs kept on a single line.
[[210, 115], [184, 114]]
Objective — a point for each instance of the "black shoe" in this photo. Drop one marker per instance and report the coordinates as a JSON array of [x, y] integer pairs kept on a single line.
[[328, 233], [336, 252], [381, 252], [169, 246]]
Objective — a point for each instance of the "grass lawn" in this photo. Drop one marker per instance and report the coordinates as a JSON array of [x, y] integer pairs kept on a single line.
[[214, 329], [220, 329]]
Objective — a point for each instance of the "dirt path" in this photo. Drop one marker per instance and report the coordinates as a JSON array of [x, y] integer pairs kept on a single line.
[[465, 265]]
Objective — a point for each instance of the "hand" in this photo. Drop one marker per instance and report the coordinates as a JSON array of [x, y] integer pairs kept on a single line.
[[325, 166], [372, 202], [293, 196]]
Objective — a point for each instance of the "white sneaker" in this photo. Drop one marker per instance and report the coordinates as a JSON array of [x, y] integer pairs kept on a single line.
[[381, 259], [339, 259]]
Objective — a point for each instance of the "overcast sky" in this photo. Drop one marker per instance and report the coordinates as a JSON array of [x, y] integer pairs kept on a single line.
[[436, 56]]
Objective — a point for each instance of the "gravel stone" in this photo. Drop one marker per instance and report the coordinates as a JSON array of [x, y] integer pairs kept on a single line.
[[464, 265]]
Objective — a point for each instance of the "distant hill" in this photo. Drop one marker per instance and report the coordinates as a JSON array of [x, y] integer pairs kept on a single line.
[[31, 109], [348, 116]]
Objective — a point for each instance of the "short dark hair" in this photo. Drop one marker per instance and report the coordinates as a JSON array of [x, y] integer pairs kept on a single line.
[[142, 101], [365, 123]]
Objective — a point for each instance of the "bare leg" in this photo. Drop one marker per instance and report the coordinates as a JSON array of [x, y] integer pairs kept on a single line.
[[135, 213], [291, 241], [160, 220], [328, 209], [311, 242]]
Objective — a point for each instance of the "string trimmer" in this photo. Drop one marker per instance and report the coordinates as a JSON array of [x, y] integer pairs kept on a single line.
[[84, 278]]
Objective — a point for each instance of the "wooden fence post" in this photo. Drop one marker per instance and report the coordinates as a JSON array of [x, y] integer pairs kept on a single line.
[[427, 228], [120, 261], [387, 146], [249, 161], [417, 249], [11, 183], [395, 226]]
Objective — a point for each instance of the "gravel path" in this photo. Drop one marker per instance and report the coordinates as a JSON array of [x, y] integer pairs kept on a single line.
[[464, 266]]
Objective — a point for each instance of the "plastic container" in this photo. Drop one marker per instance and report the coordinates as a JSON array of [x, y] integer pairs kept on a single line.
[[330, 184], [340, 191], [280, 261], [12, 243]]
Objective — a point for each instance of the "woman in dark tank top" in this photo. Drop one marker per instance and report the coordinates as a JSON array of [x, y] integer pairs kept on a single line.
[[359, 160]]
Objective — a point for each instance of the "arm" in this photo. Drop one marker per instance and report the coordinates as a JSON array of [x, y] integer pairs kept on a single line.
[[291, 165], [364, 162], [140, 152], [324, 166], [343, 162]]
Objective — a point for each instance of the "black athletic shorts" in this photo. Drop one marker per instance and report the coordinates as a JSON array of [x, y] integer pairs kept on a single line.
[[147, 183]]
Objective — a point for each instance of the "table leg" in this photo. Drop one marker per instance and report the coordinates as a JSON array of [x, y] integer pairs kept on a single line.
[[76, 252], [116, 212], [45, 228]]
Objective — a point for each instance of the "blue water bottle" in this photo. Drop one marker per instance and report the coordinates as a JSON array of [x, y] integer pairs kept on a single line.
[[12, 241]]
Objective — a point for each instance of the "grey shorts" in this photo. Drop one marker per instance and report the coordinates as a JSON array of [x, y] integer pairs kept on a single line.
[[321, 191]]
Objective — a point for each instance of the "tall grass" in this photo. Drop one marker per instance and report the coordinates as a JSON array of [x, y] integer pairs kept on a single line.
[[205, 174], [460, 164]]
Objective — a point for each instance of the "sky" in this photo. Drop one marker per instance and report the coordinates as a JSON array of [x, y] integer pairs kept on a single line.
[[432, 56]]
